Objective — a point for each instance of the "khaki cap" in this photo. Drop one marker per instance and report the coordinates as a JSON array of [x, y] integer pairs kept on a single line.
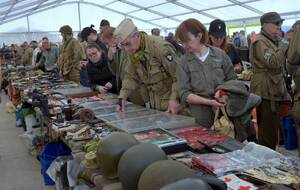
[[66, 29], [123, 30], [270, 17]]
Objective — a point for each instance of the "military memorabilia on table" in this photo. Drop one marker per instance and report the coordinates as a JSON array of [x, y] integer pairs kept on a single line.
[[99, 104], [166, 172], [129, 114], [200, 138], [91, 99], [135, 160], [183, 157], [283, 170], [83, 134], [233, 182], [86, 114], [77, 92], [163, 120], [110, 150], [215, 164], [103, 111], [90, 160], [167, 141], [250, 156]]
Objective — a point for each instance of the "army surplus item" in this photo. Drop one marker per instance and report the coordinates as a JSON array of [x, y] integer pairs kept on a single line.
[[78, 92], [166, 172], [223, 125], [167, 141], [188, 183], [86, 114], [110, 151], [135, 160]]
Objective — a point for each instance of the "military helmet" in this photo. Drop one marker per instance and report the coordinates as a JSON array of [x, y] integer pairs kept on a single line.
[[66, 29], [135, 160], [162, 173], [188, 183], [110, 151]]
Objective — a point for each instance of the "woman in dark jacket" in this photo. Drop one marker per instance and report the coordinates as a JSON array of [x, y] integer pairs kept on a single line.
[[217, 38], [99, 73]]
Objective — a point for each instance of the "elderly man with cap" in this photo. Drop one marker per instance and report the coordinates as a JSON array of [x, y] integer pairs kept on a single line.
[[268, 57], [70, 56], [152, 62]]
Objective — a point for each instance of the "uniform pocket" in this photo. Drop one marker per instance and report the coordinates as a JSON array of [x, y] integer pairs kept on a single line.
[[276, 85]]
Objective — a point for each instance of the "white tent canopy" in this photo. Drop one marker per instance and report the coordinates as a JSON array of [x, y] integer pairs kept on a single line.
[[28, 16]]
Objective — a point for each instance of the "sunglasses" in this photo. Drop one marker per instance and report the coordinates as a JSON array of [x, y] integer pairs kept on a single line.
[[278, 23]]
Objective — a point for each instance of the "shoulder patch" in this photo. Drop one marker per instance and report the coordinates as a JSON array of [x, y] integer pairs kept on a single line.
[[267, 55], [169, 57]]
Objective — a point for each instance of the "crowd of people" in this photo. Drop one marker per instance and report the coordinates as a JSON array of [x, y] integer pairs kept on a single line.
[[185, 73]]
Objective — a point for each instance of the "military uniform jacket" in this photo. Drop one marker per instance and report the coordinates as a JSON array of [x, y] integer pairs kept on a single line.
[[70, 56], [268, 58], [202, 78], [158, 73]]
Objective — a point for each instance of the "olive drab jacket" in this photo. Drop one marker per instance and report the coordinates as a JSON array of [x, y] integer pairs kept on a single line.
[[293, 67], [158, 73], [268, 57], [27, 56], [69, 59], [118, 64]]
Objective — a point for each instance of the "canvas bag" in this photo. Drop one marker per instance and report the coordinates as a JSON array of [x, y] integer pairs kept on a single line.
[[223, 125]]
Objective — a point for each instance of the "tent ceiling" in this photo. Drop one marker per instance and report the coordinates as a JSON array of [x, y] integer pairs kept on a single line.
[[166, 14]]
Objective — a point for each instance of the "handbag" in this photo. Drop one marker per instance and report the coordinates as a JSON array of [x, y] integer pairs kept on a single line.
[[223, 125]]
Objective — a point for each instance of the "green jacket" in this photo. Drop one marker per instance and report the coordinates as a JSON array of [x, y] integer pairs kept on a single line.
[[27, 56], [202, 78], [118, 64], [268, 58], [158, 74], [70, 57]]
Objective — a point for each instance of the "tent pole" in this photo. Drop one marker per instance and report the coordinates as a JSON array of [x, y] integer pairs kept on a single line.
[[79, 17]]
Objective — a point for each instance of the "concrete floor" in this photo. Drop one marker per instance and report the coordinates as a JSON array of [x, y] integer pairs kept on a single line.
[[19, 170]]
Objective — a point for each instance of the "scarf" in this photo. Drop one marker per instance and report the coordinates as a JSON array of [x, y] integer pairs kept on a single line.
[[138, 57]]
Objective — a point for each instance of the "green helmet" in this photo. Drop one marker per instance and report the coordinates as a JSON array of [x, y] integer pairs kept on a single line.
[[110, 151], [66, 29], [135, 160], [188, 183], [162, 173]]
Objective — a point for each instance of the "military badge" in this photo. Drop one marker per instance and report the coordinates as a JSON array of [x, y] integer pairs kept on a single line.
[[169, 57]]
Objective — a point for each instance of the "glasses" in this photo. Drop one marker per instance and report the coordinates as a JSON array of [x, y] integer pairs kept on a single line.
[[278, 23]]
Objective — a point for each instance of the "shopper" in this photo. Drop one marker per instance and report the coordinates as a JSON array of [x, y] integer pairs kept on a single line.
[[200, 71], [268, 57], [100, 76], [70, 55], [152, 62], [217, 38]]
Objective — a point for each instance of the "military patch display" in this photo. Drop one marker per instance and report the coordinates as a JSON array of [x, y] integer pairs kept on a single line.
[[169, 57]]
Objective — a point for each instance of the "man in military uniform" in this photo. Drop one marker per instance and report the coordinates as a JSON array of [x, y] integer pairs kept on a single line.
[[268, 56], [293, 66], [70, 56], [152, 62]]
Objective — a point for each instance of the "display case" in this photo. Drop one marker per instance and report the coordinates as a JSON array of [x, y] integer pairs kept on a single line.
[[163, 120], [129, 115], [106, 110], [167, 141]]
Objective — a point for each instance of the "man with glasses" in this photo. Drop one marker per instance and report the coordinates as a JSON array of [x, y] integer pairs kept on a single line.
[[268, 57], [152, 62]]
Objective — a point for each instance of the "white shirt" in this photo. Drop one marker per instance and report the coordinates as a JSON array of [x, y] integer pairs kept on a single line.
[[203, 57]]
